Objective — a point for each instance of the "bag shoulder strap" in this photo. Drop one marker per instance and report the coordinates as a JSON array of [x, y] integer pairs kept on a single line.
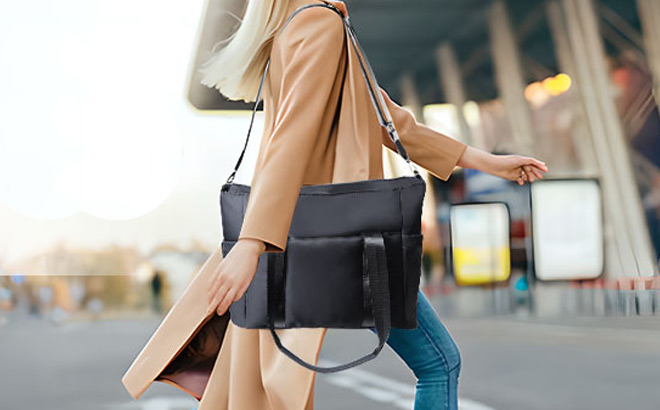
[[384, 117]]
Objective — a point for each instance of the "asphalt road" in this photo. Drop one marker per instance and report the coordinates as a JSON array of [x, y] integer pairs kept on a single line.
[[508, 364]]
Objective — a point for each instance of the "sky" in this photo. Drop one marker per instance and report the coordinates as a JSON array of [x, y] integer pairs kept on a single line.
[[98, 144]]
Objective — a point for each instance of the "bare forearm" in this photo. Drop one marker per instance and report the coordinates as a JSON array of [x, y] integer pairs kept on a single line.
[[511, 166], [476, 158]]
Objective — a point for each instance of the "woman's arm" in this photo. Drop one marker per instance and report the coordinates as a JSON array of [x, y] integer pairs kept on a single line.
[[308, 54], [428, 148], [439, 154], [513, 167]]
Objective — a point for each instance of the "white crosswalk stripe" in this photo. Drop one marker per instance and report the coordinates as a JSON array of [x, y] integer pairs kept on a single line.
[[370, 385], [157, 403], [385, 390]]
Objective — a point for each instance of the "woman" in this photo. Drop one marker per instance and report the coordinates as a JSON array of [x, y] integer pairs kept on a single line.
[[301, 94], [313, 81]]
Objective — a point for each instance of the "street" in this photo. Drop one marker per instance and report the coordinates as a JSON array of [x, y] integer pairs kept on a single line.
[[508, 364]]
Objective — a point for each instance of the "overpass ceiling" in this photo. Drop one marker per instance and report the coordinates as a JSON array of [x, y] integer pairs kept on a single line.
[[401, 36]]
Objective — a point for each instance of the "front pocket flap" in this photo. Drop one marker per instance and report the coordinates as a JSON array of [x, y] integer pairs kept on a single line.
[[324, 282]]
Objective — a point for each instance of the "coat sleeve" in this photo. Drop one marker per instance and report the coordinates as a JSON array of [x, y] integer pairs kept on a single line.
[[309, 51], [426, 147]]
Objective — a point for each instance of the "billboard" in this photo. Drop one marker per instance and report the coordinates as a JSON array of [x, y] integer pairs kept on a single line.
[[480, 242], [567, 229]]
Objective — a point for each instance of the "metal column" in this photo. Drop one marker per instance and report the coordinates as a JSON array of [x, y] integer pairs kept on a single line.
[[410, 97], [623, 205], [582, 138], [509, 78], [452, 84], [649, 14]]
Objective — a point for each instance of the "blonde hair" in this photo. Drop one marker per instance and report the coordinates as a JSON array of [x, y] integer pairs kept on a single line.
[[236, 69]]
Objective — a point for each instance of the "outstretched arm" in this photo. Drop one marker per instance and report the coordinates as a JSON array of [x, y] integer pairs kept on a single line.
[[428, 148], [513, 167], [439, 154]]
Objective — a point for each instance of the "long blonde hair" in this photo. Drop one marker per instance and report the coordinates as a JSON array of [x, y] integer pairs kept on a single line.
[[236, 69]]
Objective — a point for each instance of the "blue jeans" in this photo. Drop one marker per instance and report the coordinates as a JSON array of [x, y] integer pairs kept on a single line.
[[432, 355]]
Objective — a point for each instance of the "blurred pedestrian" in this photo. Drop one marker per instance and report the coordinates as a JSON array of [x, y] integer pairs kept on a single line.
[[156, 292]]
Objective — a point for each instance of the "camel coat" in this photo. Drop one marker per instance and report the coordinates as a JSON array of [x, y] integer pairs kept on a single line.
[[230, 368]]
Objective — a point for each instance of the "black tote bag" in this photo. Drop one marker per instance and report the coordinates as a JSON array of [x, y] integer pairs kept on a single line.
[[353, 254]]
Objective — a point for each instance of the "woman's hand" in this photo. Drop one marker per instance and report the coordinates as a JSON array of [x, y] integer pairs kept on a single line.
[[512, 167], [517, 168], [234, 274]]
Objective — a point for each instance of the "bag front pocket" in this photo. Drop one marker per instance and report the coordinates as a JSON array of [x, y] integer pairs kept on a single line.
[[324, 282]]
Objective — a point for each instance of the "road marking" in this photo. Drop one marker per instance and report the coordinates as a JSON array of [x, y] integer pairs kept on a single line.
[[157, 403], [382, 389], [370, 385], [467, 404]]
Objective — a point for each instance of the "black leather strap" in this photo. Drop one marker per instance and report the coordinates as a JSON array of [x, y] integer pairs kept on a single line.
[[384, 117], [375, 264]]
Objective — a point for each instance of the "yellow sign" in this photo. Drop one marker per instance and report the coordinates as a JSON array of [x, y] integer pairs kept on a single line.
[[475, 266], [480, 241]]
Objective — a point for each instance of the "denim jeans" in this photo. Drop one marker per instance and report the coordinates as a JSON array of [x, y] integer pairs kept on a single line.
[[432, 355]]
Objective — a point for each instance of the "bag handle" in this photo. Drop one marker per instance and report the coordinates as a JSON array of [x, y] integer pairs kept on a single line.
[[384, 117], [376, 294]]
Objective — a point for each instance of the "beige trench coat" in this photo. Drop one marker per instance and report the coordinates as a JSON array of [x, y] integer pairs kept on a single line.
[[230, 368]]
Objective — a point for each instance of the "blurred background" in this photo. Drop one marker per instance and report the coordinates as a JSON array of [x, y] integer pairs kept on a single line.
[[112, 156]]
